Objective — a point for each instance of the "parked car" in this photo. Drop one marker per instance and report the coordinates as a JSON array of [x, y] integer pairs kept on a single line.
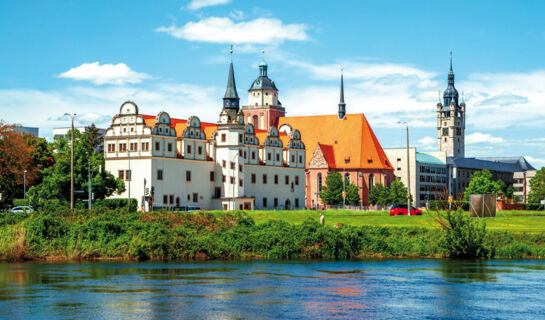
[[401, 209], [193, 209], [22, 209]]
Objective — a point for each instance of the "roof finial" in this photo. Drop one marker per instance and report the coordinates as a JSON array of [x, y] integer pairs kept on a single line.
[[231, 52], [263, 55], [450, 61]]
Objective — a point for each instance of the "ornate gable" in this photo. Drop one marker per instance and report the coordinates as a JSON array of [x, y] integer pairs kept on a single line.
[[318, 160]]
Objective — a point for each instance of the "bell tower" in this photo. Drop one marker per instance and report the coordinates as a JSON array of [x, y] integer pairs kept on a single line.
[[264, 108], [451, 120]]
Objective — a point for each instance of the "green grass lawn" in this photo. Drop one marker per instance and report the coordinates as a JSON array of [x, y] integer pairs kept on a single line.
[[517, 221]]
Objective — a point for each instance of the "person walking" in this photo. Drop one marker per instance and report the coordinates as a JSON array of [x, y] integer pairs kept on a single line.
[[322, 218]]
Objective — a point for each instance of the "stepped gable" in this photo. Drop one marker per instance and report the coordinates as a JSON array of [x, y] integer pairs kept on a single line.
[[350, 137]]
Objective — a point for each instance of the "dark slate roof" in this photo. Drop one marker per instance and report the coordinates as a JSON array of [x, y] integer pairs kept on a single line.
[[519, 162], [231, 91], [479, 164], [263, 83]]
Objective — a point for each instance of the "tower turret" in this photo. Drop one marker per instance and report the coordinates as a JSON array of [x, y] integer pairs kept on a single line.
[[231, 99], [342, 105]]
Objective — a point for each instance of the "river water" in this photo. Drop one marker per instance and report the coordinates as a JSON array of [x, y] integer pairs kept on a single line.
[[371, 289]]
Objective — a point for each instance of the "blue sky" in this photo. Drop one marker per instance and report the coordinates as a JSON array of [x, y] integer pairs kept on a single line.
[[90, 56]]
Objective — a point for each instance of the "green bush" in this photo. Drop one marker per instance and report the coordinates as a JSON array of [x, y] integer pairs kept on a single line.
[[444, 205], [21, 202], [464, 236]]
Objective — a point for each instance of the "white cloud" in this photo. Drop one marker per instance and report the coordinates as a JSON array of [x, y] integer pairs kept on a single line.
[[536, 162], [478, 137], [225, 30], [427, 141], [198, 4], [44, 109], [104, 74]]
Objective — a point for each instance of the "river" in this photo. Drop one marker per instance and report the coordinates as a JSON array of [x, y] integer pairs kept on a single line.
[[370, 289]]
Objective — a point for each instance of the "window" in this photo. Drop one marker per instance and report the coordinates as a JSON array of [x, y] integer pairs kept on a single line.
[[188, 175], [240, 167], [165, 199], [171, 199], [371, 180], [240, 138], [275, 179], [159, 174], [199, 150], [170, 147], [268, 156], [232, 180], [240, 152], [128, 175], [145, 146], [445, 131], [232, 165], [287, 179], [133, 146], [122, 147], [211, 175], [121, 174], [264, 202], [319, 182], [347, 177], [300, 159], [111, 147], [297, 202], [188, 149], [292, 158], [223, 137], [277, 157], [253, 155], [217, 192], [296, 180], [157, 146], [264, 179], [275, 202], [240, 182], [254, 120], [195, 197], [223, 178], [253, 178], [223, 163], [177, 201]]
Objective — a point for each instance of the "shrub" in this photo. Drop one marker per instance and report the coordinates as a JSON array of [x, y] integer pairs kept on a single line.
[[463, 235]]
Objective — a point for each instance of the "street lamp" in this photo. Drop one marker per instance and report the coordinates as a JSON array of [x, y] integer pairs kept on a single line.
[[72, 116], [408, 169], [24, 184]]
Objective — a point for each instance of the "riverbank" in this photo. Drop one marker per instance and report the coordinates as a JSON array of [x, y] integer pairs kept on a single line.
[[162, 235]]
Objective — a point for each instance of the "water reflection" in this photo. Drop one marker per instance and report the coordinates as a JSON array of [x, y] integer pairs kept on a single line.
[[275, 289]]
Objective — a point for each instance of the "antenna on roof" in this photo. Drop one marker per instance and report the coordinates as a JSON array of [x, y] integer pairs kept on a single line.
[[231, 52]]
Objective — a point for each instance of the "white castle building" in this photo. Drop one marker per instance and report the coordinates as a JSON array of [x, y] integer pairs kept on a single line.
[[168, 163]]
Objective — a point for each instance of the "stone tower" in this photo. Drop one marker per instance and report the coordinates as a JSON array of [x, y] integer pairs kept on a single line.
[[451, 120], [264, 108]]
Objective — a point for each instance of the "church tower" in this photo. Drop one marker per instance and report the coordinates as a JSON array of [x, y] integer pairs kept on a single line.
[[264, 108], [451, 120]]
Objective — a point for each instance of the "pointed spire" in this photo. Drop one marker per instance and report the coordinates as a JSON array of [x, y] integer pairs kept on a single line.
[[231, 91], [342, 105], [439, 101], [451, 61]]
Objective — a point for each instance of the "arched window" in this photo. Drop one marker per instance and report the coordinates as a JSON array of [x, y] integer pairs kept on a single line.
[[254, 121], [371, 180], [319, 182]]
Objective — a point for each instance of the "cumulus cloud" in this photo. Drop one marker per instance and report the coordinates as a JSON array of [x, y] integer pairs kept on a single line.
[[198, 4], [225, 30], [104, 74], [536, 162], [478, 137]]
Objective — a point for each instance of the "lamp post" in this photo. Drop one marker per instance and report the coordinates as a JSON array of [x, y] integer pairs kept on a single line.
[[24, 184], [72, 116], [408, 170]]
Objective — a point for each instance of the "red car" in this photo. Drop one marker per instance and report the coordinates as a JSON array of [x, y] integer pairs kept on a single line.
[[401, 209]]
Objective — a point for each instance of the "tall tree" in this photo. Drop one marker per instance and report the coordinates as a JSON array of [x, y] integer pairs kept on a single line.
[[397, 193], [93, 136], [482, 182], [537, 187], [352, 194], [332, 191], [56, 179], [15, 158]]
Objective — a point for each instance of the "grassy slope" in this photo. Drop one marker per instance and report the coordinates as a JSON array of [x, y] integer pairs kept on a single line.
[[515, 221]]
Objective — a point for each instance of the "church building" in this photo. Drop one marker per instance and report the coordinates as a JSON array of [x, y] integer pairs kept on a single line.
[[341, 142]]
